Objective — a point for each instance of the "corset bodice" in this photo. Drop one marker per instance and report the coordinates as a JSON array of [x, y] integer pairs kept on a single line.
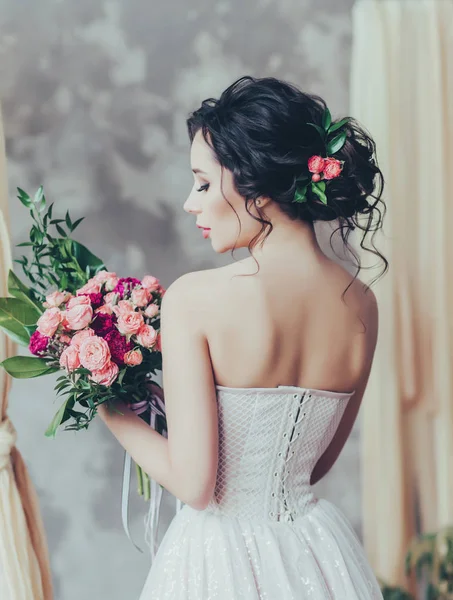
[[270, 439]]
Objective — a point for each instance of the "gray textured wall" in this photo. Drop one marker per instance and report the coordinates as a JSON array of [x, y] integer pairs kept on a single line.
[[94, 95]]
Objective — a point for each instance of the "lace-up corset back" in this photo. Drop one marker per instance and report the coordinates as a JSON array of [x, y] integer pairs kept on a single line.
[[270, 439]]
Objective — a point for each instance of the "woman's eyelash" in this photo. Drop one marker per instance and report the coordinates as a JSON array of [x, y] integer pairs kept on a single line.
[[203, 188]]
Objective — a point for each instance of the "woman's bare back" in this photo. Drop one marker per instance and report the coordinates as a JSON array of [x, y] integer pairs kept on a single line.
[[288, 325]]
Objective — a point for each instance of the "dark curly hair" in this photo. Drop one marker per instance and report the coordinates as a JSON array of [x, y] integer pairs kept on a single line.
[[259, 130]]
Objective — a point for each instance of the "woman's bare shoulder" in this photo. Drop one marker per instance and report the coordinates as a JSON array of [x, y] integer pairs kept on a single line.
[[199, 285]]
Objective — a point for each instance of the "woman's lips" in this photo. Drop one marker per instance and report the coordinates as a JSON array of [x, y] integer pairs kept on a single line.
[[206, 231]]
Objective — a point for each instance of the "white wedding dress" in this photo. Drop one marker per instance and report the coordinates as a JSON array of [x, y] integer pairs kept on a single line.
[[264, 535]]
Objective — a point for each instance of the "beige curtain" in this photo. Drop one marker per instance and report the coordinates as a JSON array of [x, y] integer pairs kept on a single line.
[[402, 91], [24, 563]]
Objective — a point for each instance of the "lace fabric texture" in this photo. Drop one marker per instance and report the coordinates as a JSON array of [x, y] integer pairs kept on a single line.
[[269, 445], [264, 534]]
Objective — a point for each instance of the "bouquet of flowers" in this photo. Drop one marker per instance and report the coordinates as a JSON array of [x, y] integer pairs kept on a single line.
[[102, 331]]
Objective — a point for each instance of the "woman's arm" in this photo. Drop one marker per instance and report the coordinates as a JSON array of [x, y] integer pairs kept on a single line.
[[185, 463]]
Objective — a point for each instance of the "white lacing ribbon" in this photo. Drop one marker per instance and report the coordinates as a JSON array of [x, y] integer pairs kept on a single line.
[[8, 438], [288, 457]]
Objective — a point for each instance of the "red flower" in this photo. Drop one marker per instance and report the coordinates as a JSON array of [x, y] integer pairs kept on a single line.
[[333, 168], [95, 299], [125, 285], [38, 343], [103, 324], [316, 164], [118, 346]]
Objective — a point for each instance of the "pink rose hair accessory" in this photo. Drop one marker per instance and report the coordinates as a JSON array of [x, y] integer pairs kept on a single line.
[[312, 185]]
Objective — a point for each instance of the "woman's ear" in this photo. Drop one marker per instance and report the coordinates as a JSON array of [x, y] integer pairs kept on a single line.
[[262, 201]]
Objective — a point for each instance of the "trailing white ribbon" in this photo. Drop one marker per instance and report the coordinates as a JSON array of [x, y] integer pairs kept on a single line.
[[157, 407]]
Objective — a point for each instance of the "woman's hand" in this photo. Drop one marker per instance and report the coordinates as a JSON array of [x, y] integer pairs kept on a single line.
[[106, 410]]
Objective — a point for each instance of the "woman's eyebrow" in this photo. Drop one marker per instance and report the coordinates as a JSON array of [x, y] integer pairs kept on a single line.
[[199, 171]]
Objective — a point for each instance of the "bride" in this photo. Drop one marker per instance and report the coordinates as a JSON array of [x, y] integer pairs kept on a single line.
[[265, 361]]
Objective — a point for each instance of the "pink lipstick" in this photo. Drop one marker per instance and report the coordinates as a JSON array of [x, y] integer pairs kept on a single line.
[[206, 231]]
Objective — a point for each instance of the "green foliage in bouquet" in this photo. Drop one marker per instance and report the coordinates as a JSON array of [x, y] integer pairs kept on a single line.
[[394, 593], [57, 260], [123, 361], [63, 263], [430, 556]]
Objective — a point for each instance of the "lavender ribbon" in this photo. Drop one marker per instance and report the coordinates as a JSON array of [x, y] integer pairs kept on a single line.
[[157, 407]]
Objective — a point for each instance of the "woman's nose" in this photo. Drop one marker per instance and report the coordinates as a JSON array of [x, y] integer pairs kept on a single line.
[[192, 204]]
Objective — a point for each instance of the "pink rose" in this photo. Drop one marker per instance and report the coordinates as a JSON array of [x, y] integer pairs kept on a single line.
[[123, 306], [56, 298], [79, 316], [110, 282], [332, 168], [80, 336], [107, 375], [133, 358], [94, 353], [66, 339], [110, 298], [91, 287], [151, 310], [316, 164], [70, 359], [158, 346], [48, 322], [150, 283], [147, 336], [129, 322], [140, 297], [105, 309], [102, 276], [78, 300]]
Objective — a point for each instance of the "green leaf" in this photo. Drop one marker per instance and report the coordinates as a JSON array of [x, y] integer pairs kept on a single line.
[[320, 130], [39, 199], [24, 367], [121, 376], [18, 310], [321, 195], [336, 144], [14, 315], [24, 198], [338, 125], [77, 223], [49, 212], [326, 119], [20, 291], [57, 420], [15, 331], [63, 282], [23, 244], [321, 185], [300, 195], [61, 231], [68, 221], [30, 329], [85, 258]]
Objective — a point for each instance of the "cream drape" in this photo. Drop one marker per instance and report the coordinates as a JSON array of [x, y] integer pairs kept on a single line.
[[24, 562], [402, 92]]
